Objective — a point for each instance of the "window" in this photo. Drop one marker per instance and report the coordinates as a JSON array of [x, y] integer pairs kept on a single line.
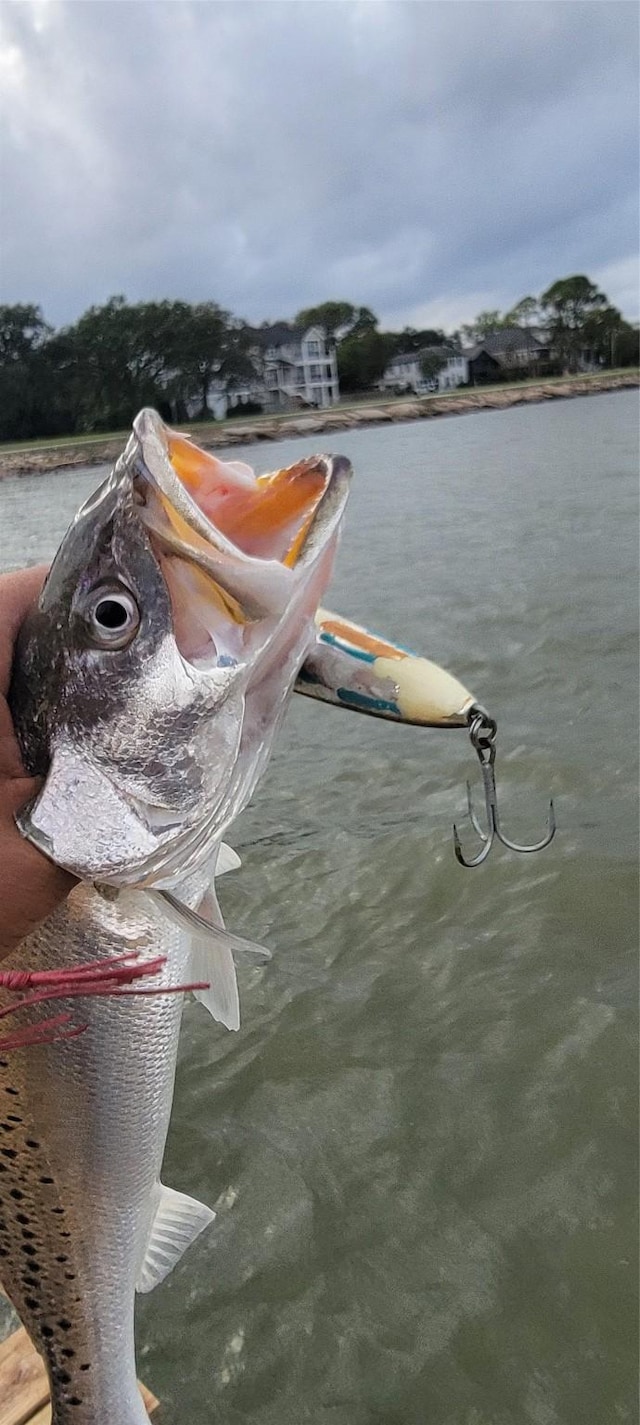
[[316, 395], [272, 378], [313, 348], [315, 373]]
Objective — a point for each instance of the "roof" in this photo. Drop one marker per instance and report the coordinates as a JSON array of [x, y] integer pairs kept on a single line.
[[278, 334], [502, 342], [443, 349]]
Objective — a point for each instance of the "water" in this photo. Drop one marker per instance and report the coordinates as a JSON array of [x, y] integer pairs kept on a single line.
[[421, 1145]]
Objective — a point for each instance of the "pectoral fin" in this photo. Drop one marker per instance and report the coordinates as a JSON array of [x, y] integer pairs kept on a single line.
[[213, 952], [212, 962], [227, 860]]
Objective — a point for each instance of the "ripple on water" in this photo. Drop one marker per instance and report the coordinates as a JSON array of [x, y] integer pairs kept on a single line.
[[422, 1142]]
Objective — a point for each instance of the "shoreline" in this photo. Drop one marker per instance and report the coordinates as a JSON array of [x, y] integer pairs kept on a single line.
[[400, 410]]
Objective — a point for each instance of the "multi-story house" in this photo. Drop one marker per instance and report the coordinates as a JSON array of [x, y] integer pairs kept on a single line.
[[405, 371], [292, 368], [298, 367]]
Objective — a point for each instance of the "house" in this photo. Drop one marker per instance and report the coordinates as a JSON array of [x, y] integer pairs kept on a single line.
[[512, 351], [483, 367], [585, 359], [405, 371], [296, 367], [455, 371], [292, 367]]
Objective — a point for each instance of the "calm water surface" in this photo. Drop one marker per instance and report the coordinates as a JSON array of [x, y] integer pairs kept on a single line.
[[421, 1145]]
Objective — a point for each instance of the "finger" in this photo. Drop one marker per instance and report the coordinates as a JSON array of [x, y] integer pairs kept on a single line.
[[18, 593], [31, 886]]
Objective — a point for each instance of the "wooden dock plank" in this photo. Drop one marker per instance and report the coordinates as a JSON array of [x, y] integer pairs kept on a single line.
[[23, 1380], [24, 1386]]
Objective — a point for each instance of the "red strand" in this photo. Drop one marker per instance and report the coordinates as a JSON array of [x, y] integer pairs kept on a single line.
[[97, 979], [116, 968], [46, 1032]]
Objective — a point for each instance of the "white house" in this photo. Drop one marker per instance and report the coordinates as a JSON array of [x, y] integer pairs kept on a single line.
[[404, 371], [455, 372], [298, 367], [292, 368]]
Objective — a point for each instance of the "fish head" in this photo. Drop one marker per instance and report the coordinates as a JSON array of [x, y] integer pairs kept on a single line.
[[153, 673]]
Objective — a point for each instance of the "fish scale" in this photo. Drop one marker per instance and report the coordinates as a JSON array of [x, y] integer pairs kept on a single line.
[[73, 1209]]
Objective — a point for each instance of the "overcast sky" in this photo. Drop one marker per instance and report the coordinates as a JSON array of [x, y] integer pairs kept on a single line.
[[425, 159]]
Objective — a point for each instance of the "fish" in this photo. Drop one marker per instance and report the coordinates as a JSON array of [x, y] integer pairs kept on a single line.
[[148, 686], [180, 613]]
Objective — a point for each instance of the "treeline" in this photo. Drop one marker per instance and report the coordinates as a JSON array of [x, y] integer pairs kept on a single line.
[[575, 317], [94, 375], [572, 317]]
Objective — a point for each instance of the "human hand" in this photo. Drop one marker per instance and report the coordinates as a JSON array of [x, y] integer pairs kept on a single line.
[[31, 886]]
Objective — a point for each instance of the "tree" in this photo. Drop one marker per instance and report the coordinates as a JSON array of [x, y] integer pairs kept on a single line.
[[484, 324], [332, 316], [365, 321], [626, 350], [106, 367], [410, 339], [362, 357], [22, 330], [431, 364], [120, 357], [601, 332], [524, 314], [23, 334], [239, 364], [568, 304], [198, 351], [54, 373]]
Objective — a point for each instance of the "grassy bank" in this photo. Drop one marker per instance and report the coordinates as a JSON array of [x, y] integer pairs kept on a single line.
[[44, 455]]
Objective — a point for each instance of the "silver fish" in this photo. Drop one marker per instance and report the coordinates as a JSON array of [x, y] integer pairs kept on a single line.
[[149, 684]]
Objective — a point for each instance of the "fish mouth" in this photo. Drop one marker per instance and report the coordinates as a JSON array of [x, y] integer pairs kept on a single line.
[[233, 546]]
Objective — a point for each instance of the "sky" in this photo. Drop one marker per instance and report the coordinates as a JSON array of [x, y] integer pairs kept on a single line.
[[428, 159]]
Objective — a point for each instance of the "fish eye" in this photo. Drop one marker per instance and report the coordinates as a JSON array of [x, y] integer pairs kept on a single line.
[[113, 617]]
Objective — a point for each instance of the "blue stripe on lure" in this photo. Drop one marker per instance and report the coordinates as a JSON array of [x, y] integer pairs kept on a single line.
[[366, 704], [335, 642]]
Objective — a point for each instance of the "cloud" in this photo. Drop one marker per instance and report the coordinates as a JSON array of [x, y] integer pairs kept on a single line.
[[411, 157], [621, 278]]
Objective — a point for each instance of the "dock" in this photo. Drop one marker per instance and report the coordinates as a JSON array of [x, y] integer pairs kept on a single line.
[[24, 1386]]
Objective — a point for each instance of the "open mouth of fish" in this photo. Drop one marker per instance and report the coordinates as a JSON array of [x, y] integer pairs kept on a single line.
[[232, 546], [168, 740]]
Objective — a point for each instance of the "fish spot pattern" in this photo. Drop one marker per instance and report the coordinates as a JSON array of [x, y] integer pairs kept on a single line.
[[37, 1264], [80, 1173]]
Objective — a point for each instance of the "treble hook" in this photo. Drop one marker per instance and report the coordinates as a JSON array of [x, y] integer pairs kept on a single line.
[[482, 731]]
